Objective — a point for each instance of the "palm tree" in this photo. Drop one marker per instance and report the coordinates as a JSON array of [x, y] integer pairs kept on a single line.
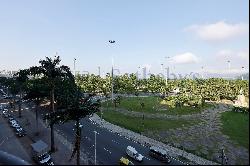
[[21, 78], [79, 108], [51, 72], [36, 91], [12, 86]]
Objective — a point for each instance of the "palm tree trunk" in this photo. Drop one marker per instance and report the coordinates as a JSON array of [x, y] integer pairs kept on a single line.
[[52, 148], [52, 125], [53, 99], [78, 139], [20, 105], [14, 104], [37, 118], [19, 109]]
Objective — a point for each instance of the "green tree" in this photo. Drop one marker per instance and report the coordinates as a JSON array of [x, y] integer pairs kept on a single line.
[[36, 92], [79, 108], [21, 79], [50, 70]]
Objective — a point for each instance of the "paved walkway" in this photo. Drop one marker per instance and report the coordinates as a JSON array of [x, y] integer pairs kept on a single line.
[[11, 143], [64, 148]]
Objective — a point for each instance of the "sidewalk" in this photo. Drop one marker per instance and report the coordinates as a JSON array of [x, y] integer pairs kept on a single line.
[[11, 143], [63, 147]]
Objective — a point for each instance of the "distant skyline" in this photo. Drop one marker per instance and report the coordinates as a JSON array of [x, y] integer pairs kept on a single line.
[[184, 35]]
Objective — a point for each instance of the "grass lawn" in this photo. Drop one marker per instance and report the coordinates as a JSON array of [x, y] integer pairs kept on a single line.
[[153, 105], [136, 124], [236, 126]]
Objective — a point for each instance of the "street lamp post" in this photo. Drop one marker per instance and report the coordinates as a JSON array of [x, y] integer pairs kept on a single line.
[[242, 73], [167, 73], [99, 71], [202, 72], [75, 66], [112, 86], [138, 73], [95, 145], [229, 64], [167, 68]]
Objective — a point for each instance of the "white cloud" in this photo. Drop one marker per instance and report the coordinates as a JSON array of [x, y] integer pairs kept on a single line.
[[185, 58], [219, 31]]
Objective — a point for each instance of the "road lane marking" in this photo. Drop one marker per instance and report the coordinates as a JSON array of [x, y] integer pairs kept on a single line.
[[107, 150], [115, 142]]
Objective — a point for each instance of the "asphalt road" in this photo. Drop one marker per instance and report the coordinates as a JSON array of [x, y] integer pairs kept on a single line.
[[110, 147]]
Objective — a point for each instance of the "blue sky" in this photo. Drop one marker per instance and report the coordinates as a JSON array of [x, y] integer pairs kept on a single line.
[[193, 33]]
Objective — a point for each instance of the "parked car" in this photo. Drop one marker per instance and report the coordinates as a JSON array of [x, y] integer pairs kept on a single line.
[[159, 154], [12, 121], [7, 115], [18, 129], [21, 133], [40, 153], [11, 118], [131, 152], [125, 161], [15, 125]]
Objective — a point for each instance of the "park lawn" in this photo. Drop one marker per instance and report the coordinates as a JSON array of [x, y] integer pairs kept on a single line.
[[153, 105], [236, 126], [136, 124]]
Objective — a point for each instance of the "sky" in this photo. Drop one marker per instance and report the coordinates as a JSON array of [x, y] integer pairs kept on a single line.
[[184, 35]]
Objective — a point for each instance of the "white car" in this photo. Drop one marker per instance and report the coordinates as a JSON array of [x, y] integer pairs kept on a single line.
[[15, 125], [131, 152], [13, 121], [19, 129]]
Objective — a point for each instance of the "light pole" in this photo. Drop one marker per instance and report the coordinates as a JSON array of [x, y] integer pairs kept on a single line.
[[229, 65], [202, 72], [112, 86], [75, 66], [99, 71], [167, 73], [242, 73], [138, 73], [95, 145]]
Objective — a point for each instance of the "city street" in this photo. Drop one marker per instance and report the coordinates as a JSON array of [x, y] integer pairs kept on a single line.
[[110, 146]]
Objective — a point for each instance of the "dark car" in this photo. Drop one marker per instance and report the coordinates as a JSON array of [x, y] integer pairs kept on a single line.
[[6, 115], [11, 118], [21, 133], [159, 154]]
